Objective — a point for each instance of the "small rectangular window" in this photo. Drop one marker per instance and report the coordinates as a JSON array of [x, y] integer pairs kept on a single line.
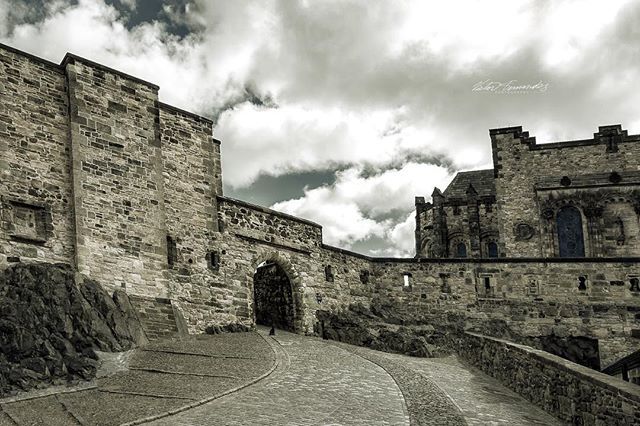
[[407, 279]]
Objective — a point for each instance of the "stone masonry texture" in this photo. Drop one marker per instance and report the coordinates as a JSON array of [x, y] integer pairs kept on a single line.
[[98, 174]]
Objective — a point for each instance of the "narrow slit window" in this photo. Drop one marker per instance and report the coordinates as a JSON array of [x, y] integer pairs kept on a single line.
[[172, 251], [213, 260], [328, 273]]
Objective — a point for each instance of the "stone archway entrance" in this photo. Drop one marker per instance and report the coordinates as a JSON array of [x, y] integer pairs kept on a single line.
[[273, 297]]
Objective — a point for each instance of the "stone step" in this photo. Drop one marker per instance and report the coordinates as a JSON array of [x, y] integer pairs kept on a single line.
[[39, 411], [156, 316], [5, 420]]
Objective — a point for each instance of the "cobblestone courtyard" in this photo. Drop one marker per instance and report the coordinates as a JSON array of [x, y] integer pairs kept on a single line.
[[287, 379]]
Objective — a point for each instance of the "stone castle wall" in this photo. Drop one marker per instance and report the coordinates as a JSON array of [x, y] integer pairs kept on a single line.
[[35, 161], [522, 197], [522, 300], [129, 191], [117, 178]]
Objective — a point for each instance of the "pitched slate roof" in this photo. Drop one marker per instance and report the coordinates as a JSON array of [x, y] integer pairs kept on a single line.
[[482, 181]]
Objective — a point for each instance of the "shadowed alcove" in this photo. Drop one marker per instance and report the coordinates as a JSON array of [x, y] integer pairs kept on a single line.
[[273, 297]]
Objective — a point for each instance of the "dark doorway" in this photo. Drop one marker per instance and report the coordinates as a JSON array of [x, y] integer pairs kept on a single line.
[[273, 298], [570, 237]]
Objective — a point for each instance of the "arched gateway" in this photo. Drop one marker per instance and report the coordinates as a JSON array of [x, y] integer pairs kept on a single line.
[[275, 294]]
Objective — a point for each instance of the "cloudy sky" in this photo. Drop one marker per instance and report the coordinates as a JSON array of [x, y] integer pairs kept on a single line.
[[342, 111]]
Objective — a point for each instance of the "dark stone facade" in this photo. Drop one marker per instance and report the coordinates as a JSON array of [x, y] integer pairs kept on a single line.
[[565, 199]]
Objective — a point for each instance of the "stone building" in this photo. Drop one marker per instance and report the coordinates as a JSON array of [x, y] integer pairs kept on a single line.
[[566, 199], [98, 174]]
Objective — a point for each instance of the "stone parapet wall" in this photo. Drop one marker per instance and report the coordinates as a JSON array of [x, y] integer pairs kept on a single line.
[[268, 225], [573, 393], [516, 299]]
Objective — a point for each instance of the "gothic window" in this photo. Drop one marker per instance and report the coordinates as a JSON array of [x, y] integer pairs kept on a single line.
[[635, 284], [461, 250], [570, 236], [492, 249]]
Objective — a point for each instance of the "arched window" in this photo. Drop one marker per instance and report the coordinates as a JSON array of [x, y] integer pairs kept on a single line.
[[492, 249], [570, 236], [461, 250]]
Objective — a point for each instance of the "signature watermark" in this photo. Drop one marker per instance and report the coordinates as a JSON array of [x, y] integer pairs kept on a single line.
[[511, 87]]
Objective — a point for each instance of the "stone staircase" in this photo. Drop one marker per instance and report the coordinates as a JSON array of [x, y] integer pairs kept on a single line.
[[156, 316]]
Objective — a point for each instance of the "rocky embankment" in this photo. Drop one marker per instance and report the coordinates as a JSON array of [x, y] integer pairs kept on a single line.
[[50, 326], [377, 329]]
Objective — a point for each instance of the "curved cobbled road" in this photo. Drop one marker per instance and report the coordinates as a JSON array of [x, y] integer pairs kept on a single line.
[[314, 383], [320, 382], [286, 379]]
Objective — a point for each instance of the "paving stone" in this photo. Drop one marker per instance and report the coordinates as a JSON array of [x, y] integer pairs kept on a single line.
[[243, 345], [106, 409], [426, 402], [5, 420], [482, 399], [172, 385], [39, 411], [196, 364], [315, 383]]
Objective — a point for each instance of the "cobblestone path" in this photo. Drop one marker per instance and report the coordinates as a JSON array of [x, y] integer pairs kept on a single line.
[[164, 376], [315, 383], [482, 399]]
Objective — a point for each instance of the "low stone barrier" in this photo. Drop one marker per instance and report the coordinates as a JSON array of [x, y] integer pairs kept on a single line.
[[573, 393]]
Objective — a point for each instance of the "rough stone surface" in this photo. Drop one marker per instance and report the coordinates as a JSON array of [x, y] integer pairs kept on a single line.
[[314, 383], [521, 203], [360, 327], [128, 191], [426, 402], [51, 327], [575, 394]]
